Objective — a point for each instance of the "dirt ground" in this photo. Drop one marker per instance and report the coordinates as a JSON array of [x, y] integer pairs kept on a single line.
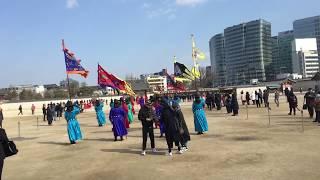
[[234, 148]]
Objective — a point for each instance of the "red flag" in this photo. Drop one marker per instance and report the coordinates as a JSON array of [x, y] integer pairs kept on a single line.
[[106, 79]]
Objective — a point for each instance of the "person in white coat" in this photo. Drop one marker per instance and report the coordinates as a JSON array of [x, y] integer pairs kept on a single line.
[[253, 98]]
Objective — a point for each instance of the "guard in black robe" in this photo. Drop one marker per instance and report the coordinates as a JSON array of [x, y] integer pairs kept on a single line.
[[228, 103], [182, 135], [49, 115], [167, 119], [234, 104], [218, 101]]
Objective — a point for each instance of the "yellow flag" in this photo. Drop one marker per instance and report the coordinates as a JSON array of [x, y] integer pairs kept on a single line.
[[129, 89], [182, 79], [195, 71], [197, 54]]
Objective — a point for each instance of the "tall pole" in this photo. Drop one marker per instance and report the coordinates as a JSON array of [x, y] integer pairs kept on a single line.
[[194, 58], [68, 81]]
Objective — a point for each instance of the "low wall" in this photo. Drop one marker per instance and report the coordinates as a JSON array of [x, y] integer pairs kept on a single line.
[[11, 109]]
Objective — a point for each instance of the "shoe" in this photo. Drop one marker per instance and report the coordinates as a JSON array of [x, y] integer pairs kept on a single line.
[[289, 113], [180, 152], [143, 153], [169, 154], [314, 121], [154, 150], [185, 149]]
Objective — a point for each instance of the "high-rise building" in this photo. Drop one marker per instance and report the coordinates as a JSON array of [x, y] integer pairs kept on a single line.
[[242, 53], [275, 56], [305, 57], [217, 57], [247, 51], [282, 53], [308, 28]]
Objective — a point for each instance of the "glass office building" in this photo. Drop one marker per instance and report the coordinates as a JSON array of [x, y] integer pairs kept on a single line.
[[308, 28], [217, 58], [242, 53], [281, 54], [248, 52]]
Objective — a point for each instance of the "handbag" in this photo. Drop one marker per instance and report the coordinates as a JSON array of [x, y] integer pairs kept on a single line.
[[9, 148], [305, 106]]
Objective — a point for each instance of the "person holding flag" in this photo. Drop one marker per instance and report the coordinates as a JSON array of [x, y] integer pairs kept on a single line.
[[74, 130], [200, 120]]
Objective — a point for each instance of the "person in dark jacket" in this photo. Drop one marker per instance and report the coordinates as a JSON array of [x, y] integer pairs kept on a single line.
[[209, 101], [20, 110], [260, 95], [183, 135], [217, 99], [147, 116], [309, 99], [176, 129], [49, 115], [234, 104], [248, 98], [3, 139], [227, 103], [1, 119], [168, 121], [44, 112], [293, 103], [287, 92]]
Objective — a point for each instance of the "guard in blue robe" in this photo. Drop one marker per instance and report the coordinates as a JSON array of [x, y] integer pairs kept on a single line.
[[74, 130]]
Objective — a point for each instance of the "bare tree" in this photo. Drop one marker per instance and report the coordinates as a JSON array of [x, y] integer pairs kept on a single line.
[[206, 77]]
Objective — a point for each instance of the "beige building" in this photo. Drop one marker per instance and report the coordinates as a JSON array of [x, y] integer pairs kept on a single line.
[[305, 57], [157, 83]]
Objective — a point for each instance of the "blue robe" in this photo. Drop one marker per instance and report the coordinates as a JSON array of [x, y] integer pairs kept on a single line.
[[200, 120], [159, 109], [74, 130], [117, 118], [100, 115]]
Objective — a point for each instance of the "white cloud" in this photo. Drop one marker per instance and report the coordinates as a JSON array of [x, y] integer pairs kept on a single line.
[[72, 4], [170, 12], [163, 9], [189, 2]]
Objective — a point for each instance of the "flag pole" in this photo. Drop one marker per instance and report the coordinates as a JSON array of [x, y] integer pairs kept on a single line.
[[194, 62], [68, 80]]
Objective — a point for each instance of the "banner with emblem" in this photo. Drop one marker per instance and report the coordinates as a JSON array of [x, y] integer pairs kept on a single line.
[[73, 65]]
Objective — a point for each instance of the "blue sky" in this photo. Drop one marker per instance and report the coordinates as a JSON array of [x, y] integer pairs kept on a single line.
[[124, 36]]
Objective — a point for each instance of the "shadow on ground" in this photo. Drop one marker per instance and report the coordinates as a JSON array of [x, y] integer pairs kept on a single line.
[[99, 139], [55, 143], [23, 138], [130, 151]]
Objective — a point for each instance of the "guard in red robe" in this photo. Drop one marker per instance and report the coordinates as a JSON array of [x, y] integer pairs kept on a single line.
[[125, 108]]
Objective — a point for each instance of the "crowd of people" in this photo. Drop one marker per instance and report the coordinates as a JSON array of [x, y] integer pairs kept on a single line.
[[312, 104], [161, 112], [164, 112]]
